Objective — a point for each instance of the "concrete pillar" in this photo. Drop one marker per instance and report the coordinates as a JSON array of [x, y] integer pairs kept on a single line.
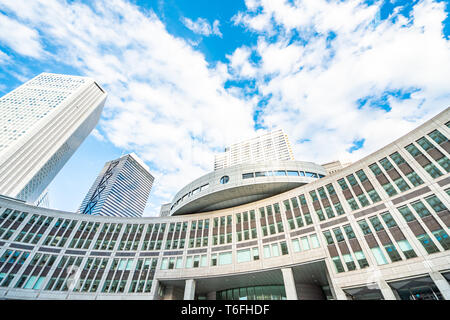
[[289, 284], [386, 290], [154, 290], [336, 291], [441, 283], [189, 289]]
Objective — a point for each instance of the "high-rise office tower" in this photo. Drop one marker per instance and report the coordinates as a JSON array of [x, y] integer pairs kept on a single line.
[[120, 190], [267, 147], [42, 123]]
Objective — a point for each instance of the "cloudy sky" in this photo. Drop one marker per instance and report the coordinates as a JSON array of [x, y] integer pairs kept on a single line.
[[185, 78]]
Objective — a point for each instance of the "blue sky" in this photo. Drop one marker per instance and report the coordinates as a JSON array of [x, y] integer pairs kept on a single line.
[[186, 78]]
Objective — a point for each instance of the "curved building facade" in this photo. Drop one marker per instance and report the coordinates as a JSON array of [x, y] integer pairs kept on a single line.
[[243, 183], [377, 229]]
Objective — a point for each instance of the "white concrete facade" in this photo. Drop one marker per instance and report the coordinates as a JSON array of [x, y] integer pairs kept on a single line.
[[300, 236], [46, 120], [271, 146]]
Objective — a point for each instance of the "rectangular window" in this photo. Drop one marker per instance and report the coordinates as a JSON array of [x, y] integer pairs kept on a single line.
[[328, 237], [305, 243], [225, 258], [361, 258], [349, 262], [266, 250], [314, 241], [379, 257], [443, 238], [296, 245], [275, 250], [427, 243], [392, 252], [406, 248], [338, 265], [244, 255]]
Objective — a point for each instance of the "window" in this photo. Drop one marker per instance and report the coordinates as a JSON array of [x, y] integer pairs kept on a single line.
[[338, 265], [376, 223], [438, 137], [406, 248], [305, 243], [364, 227], [292, 173], [244, 255], [361, 175], [420, 208], [361, 258], [379, 257], [388, 219], [296, 245], [224, 179], [349, 262], [427, 243], [406, 213], [349, 231], [374, 195], [247, 175], [338, 234], [266, 250], [392, 252], [225, 258], [436, 204], [214, 260], [375, 169], [275, 250], [313, 195], [328, 237], [443, 238], [314, 241], [342, 183], [284, 249]]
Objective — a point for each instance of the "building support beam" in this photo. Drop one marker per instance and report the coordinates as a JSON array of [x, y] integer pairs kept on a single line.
[[441, 283], [336, 291], [386, 290], [289, 284], [189, 289]]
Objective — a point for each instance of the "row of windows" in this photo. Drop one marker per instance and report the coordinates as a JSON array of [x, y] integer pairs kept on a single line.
[[277, 173]]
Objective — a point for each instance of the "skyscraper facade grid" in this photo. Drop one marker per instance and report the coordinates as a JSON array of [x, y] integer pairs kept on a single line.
[[42, 124], [270, 146], [120, 190]]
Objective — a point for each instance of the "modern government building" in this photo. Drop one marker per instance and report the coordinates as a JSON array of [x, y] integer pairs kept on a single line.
[[269, 229]]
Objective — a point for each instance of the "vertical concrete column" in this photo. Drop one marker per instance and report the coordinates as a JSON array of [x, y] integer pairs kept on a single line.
[[386, 290], [154, 290], [336, 291], [289, 284], [441, 283], [189, 289]]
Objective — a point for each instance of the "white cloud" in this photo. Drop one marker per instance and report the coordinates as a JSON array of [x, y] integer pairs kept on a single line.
[[97, 135], [169, 105], [19, 37], [4, 58], [202, 26], [165, 102], [313, 84]]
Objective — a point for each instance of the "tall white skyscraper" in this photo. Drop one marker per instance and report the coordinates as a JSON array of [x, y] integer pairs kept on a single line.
[[267, 147], [42, 123], [120, 190]]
